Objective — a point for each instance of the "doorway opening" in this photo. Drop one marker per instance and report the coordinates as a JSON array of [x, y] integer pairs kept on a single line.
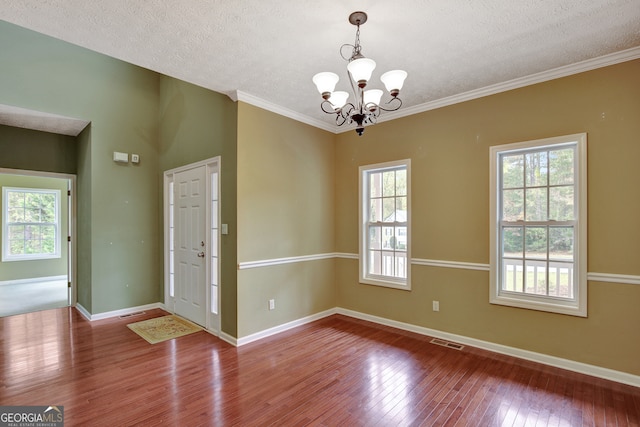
[[192, 242], [37, 241]]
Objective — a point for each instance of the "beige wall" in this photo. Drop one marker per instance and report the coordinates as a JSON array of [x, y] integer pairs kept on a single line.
[[285, 209], [449, 150]]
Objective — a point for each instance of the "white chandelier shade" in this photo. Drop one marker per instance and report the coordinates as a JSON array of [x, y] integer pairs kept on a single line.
[[338, 99], [361, 69], [326, 81], [366, 107]]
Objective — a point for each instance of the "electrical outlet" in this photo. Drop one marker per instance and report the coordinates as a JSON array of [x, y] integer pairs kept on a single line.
[[436, 305], [272, 304]]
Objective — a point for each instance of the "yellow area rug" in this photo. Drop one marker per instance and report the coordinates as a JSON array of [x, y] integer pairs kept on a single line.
[[163, 328]]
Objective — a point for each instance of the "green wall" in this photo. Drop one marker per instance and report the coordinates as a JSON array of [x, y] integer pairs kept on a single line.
[[27, 269], [285, 209], [449, 151], [35, 150], [118, 214], [198, 124]]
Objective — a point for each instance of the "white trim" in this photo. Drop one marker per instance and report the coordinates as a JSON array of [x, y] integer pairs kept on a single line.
[[346, 255], [116, 313], [274, 108], [572, 307], [450, 264], [555, 73], [597, 277], [582, 368], [228, 338], [34, 280], [284, 327], [277, 261], [613, 278]]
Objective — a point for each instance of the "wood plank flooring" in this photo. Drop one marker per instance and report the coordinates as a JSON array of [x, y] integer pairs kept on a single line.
[[337, 371]]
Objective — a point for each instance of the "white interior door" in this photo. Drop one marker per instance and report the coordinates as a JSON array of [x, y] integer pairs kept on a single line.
[[190, 244]]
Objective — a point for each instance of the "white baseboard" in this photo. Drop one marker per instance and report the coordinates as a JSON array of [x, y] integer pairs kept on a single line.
[[570, 365], [284, 327], [228, 338], [34, 280], [116, 313]]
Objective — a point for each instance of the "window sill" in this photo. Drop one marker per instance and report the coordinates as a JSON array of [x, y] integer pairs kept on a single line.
[[405, 286], [568, 308]]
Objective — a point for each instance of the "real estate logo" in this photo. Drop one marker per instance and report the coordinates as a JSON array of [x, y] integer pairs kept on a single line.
[[31, 416]]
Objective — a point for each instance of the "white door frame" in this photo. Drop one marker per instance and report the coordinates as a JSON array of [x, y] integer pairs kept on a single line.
[[71, 243], [212, 165]]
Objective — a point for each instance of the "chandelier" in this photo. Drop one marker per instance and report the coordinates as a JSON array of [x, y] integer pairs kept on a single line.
[[366, 108]]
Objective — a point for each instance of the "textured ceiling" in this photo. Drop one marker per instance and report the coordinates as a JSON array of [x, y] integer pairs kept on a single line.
[[266, 52]]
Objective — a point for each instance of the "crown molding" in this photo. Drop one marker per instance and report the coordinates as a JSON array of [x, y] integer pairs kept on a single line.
[[274, 108], [556, 73]]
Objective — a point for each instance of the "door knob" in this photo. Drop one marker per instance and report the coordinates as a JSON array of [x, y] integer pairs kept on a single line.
[[201, 254]]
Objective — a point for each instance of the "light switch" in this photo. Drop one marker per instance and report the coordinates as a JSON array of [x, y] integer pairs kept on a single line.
[[135, 158], [224, 229]]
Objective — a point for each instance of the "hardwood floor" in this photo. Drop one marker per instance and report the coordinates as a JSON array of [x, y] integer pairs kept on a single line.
[[334, 372]]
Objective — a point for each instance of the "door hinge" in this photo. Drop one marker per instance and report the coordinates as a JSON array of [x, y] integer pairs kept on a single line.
[[68, 284], [68, 192], [68, 238]]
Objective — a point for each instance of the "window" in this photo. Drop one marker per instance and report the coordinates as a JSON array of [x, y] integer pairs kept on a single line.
[[30, 224], [538, 227], [385, 224]]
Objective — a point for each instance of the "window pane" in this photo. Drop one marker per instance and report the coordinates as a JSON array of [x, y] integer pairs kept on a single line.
[[388, 260], [16, 199], [561, 243], [513, 242], [536, 204], [401, 182], [561, 203], [375, 184], [389, 209], [536, 242], [401, 238], [16, 215], [561, 280], [561, 167], [388, 240], [375, 237], [512, 275], [512, 171], [535, 281], [375, 210], [16, 232], [16, 247], [214, 213], [512, 205], [401, 265], [389, 183], [536, 169], [401, 209], [32, 247], [48, 246], [375, 262]]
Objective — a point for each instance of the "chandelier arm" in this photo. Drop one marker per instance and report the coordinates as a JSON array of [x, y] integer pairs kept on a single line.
[[352, 47], [324, 105], [399, 104]]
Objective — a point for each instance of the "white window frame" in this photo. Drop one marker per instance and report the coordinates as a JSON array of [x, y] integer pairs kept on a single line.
[[576, 306], [381, 280], [6, 255]]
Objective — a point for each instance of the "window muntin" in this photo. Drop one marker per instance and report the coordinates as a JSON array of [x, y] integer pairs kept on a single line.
[[31, 228], [538, 259], [385, 213]]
